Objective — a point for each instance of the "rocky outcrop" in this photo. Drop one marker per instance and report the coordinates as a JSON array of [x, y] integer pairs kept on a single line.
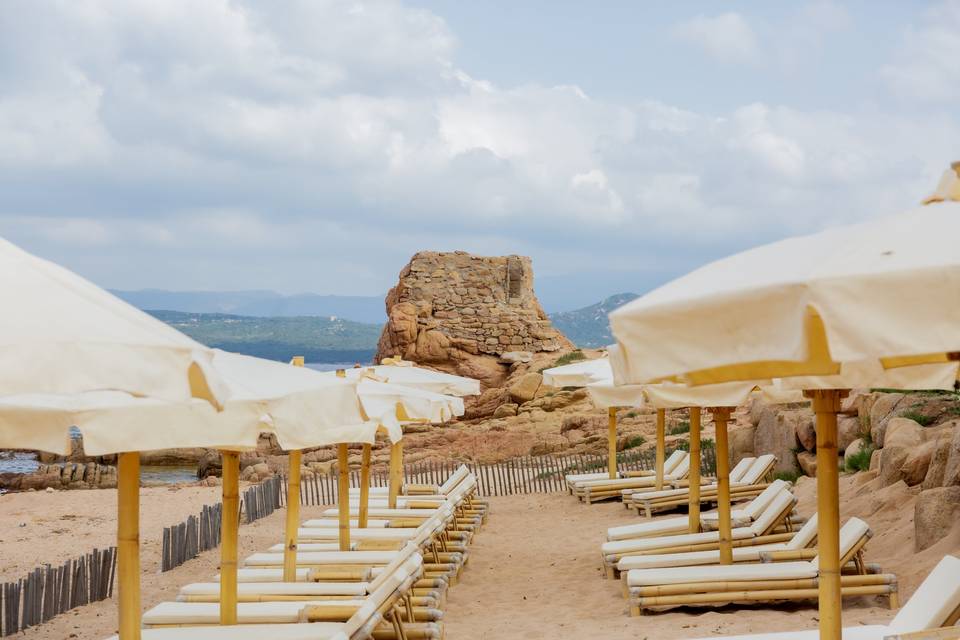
[[462, 313], [935, 514], [776, 433], [70, 475]]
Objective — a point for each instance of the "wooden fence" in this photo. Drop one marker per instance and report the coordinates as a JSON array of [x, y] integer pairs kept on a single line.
[[263, 499], [48, 591], [191, 537], [529, 474]]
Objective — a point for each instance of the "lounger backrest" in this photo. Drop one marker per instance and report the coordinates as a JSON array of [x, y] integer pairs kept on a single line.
[[934, 601], [756, 506], [852, 532], [775, 511], [803, 538], [759, 468], [377, 598], [681, 470], [455, 478], [403, 555], [740, 468], [673, 460]]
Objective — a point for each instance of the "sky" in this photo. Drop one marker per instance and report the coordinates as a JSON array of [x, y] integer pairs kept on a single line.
[[314, 146]]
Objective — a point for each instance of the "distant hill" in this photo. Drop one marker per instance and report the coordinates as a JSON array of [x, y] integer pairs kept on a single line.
[[280, 338], [368, 309], [588, 327]]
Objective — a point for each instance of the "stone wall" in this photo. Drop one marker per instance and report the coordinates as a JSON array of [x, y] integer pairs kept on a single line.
[[466, 314]]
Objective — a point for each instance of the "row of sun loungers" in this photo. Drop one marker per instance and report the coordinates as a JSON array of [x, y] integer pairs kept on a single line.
[[391, 584]]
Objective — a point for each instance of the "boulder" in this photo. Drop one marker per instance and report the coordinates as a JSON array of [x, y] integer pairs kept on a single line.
[[505, 410], [891, 464], [513, 357], [808, 463], [806, 432], [937, 469], [884, 407], [875, 460], [853, 449], [525, 387], [935, 514], [951, 471], [902, 432], [740, 443], [777, 434], [486, 403], [849, 428], [915, 467]]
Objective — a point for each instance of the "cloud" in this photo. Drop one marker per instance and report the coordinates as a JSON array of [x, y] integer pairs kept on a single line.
[[925, 69], [227, 145], [727, 37]]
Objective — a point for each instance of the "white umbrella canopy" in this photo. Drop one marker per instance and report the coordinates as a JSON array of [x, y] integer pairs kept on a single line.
[[404, 373], [579, 374], [61, 334], [302, 407], [408, 404], [884, 290]]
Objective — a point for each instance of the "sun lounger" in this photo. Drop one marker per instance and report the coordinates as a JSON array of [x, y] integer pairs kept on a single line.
[[716, 584], [934, 605], [759, 532], [573, 479], [740, 517], [743, 485], [802, 539], [604, 489]]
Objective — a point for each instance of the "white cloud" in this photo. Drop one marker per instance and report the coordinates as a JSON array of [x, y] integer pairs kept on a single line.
[[727, 37], [926, 67]]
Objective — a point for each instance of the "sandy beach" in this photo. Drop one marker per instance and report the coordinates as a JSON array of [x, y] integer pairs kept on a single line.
[[534, 570]]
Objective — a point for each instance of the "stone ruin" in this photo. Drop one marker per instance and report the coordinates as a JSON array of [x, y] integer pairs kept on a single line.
[[469, 315]]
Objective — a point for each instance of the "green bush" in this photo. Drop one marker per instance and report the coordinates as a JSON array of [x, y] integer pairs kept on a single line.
[[789, 476], [860, 461], [919, 418], [682, 427], [568, 358], [705, 443], [633, 442], [632, 414]]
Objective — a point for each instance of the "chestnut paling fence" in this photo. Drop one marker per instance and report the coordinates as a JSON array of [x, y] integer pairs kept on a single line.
[[48, 591]]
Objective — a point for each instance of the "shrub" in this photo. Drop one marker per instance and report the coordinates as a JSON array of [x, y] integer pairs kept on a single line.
[[632, 414], [568, 358], [789, 476], [860, 461], [705, 443], [919, 418], [633, 442], [682, 427]]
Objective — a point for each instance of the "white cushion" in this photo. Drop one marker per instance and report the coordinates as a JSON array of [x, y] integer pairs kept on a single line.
[[720, 573], [674, 459], [327, 523], [774, 510], [935, 599], [382, 513], [646, 529], [693, 558], [802, 538], [330, 533], [740, 468], [325, 557], [621, 547], [757, 470], [852, 531], [280, 588], [756, 506], [311, 546]]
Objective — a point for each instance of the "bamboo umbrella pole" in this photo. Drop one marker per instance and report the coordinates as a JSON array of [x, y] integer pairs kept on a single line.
[[612, 441], [343, 495], [364, 486], [293, 517], [826, 405], [721, 415], [128, 544], [694, 503], [230, 529], [396, 473], [661, 445]]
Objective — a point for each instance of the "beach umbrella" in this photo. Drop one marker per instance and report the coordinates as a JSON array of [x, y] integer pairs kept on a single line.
[[401, 372], [61, 334], [877, 295], [579, 374]]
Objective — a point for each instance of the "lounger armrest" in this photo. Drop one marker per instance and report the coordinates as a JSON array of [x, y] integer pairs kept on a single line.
[[642, 473], [946, 633], [421, 489], [790, 555], [682, 484]]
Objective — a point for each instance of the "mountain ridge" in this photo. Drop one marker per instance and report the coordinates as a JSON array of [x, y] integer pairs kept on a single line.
[[588, 326]]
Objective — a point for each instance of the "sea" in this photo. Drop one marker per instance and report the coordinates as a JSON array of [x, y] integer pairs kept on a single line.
[[24, 462]]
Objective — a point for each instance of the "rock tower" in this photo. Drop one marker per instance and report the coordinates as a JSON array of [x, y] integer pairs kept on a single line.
[[466, 314]]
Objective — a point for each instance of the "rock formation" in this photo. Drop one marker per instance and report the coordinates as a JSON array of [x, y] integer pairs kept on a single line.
[[468, 315]]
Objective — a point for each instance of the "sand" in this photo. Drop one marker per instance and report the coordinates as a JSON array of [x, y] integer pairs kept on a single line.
[[534, 570]]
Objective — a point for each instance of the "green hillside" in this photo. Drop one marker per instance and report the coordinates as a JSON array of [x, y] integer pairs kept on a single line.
[[318, 339]]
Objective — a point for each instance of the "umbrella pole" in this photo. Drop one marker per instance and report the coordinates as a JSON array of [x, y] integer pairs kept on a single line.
[[128, 544], [293, 516], [721, 415], [694, 504], [364, 486], [230, 529], [612, 442], [661, 445], [343, 494], [826, 405], [396, 473]]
